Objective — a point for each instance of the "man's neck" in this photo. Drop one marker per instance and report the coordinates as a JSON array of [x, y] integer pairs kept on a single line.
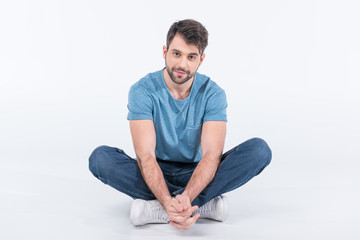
[[178, 91]]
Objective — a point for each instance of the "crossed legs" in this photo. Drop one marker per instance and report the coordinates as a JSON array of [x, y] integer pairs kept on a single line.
[[115, 168]]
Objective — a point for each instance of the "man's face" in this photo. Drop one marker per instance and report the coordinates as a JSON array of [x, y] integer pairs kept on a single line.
[[182, 60]]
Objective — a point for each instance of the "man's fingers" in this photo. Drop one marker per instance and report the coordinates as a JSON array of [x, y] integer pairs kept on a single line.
[[178, 218], [194, 208], [176, 204], [192, 220], [179, 226], [183, 201], [178, 197], [182, 216], [196, 216], [187, 224], [178, 207]]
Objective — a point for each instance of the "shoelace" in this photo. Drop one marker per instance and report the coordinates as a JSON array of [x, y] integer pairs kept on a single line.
[[157, 213], [205, 209]]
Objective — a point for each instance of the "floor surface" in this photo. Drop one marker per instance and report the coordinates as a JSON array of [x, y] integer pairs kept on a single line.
[[45, 203]]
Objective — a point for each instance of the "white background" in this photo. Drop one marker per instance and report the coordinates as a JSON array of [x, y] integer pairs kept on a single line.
[[291, 73]]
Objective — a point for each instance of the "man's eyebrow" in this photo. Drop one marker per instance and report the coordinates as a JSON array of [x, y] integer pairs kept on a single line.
[[175, 50]]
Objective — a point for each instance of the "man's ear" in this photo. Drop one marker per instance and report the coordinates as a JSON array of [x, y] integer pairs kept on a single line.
[[164, 51], [202, 58]]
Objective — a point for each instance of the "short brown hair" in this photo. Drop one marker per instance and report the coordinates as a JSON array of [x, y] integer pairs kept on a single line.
[[192, 31]]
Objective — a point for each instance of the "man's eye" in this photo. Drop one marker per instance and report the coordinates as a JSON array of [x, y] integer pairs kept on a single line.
[[192, 57], [176, 54]]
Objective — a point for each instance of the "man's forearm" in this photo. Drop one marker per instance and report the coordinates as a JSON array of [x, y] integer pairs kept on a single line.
[[202, 176], [154, 178]]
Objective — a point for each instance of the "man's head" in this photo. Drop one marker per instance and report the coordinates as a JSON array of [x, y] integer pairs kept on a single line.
[[186, 42], [191, 31]]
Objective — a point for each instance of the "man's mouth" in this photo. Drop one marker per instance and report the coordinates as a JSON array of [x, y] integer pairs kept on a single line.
[[180, 73]]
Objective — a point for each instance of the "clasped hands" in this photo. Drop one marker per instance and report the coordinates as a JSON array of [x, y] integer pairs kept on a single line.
[[179, 211]]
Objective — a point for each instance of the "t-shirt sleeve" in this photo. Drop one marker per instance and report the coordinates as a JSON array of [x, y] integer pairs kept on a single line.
[[215, 109], [140, 105]]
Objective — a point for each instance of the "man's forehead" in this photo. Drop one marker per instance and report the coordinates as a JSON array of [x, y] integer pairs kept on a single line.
[[179, 44]]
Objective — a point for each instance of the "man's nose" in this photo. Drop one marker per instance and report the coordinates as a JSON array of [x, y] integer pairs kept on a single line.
[[183, 62]]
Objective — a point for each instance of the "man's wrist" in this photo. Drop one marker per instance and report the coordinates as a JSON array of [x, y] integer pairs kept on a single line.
[[164, 201], [186, 193]]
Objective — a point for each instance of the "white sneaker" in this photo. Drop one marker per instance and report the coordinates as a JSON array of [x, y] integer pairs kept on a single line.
[[143, 212], [216, 209]]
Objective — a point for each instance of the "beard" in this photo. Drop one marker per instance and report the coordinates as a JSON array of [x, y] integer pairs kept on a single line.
[[179, 79]]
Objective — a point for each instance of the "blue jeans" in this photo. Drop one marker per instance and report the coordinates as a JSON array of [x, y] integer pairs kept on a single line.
[[114, 167]]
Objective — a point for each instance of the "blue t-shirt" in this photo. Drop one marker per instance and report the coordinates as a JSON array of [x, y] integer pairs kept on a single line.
[[178, 123]]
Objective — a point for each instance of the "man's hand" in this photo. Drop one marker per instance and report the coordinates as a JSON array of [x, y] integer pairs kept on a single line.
[[179, 210], [184, 200], [172, 207], [187, 224]]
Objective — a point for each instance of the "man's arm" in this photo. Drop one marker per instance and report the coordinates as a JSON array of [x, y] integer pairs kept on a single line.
[[144, 140], [212, 145]]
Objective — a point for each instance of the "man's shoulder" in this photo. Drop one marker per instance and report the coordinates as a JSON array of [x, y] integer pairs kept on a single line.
[[209, 85], [148, 82]]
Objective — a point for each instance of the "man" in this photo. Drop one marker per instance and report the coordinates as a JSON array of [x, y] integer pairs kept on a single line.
[[178, 125]]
